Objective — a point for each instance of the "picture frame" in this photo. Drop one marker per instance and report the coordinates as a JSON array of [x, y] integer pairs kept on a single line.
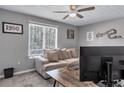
[[70, 34], [12, 28], [90, 36]]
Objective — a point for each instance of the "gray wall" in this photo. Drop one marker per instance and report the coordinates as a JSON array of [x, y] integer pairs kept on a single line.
[[117, 24], [14, 47]]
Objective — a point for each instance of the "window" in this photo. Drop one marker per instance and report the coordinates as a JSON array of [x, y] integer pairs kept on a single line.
[[41, 37]]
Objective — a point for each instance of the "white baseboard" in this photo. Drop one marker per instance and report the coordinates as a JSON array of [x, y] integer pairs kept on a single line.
[[1, 76], [20, 72], [25, 71]]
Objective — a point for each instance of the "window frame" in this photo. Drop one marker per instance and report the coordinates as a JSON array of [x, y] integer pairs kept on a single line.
[[43, 47]]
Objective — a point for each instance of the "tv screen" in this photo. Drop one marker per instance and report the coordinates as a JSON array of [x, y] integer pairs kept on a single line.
[[92, 60]]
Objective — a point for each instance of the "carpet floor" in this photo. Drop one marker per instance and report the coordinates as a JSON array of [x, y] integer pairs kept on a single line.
[[31, 79]]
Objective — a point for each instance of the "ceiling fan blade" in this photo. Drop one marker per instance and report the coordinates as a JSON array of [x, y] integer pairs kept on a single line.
[[86, 9], [60, 11], [65, 17], [79, 15]]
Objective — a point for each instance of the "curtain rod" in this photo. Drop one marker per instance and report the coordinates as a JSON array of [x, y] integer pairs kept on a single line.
[[39, 23]]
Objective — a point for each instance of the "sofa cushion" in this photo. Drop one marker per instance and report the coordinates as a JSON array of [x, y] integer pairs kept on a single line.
[[55, 65], [52, 56], [72, 61]]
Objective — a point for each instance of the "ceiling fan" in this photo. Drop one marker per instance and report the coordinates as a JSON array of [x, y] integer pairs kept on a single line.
[[74, 12]]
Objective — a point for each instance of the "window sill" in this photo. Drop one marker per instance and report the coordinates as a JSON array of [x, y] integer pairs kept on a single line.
[[32, 57]]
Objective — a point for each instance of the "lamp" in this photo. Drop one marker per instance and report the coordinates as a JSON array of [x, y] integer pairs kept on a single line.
[[72, 14]]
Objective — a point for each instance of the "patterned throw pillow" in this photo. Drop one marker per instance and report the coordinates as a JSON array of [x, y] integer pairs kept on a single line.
[[74, 53], [64, 53], [46, 51], [60, 55], [69, 53], [52, 56]]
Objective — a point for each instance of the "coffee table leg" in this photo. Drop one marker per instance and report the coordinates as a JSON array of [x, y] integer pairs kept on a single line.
[[54, 83], [57, 84]]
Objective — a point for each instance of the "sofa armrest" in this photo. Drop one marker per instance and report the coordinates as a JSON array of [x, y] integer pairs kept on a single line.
[[41, 60], [39, 65]]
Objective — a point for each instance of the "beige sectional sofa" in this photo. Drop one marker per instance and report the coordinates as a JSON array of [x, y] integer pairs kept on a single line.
[[56, 58]]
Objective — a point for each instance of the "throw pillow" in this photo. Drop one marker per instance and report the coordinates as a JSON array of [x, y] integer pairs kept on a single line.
[[46, 51], [78, 53], [64, 53], [74, 53], [60, 56], [52, 56], [69, 53]]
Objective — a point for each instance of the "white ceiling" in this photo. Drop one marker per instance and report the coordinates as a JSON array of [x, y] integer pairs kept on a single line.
[[101, 12]]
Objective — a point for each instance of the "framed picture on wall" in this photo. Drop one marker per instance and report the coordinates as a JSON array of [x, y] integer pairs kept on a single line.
[[90, 36], [12, 28], [70, 34]]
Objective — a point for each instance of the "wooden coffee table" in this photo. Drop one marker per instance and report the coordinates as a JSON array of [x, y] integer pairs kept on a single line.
[[69, 77]]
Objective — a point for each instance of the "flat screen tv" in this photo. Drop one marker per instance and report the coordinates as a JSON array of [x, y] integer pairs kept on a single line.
[[92, 61]]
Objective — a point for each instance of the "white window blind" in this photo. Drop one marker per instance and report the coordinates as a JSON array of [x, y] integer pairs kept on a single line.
[[41, 37]]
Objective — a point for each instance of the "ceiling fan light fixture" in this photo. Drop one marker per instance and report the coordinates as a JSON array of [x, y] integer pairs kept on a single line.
[[72, 14]]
